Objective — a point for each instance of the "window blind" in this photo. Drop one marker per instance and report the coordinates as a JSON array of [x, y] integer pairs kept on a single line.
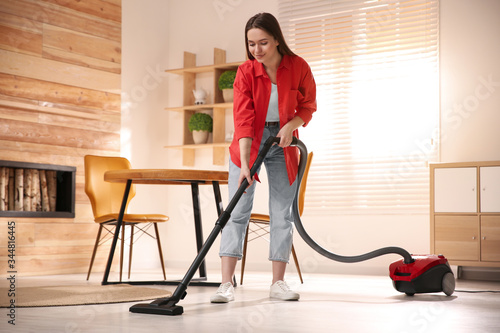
[[376, 68]]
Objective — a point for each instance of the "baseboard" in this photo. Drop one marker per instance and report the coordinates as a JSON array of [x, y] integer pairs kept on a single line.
[[479, 273]]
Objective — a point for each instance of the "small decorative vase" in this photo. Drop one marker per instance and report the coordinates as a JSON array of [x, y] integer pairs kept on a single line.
[[200, 137], [227, 94]]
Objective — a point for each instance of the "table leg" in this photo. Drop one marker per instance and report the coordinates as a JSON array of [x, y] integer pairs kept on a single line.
[[195, 193], [201, 281], [218, 197], [117, 231]]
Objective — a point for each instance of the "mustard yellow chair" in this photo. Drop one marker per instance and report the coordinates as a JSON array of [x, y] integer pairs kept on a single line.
[[259, 223], [106, 199]]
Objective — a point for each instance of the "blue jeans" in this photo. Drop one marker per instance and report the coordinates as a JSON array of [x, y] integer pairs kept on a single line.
[[281, 195]]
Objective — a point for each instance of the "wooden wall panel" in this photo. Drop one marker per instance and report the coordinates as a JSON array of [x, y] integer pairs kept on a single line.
[[77, 122], [60, 16], [55, 108], [24, 42], [60, 73], [81, 60], [55, 93], [80, 43], [50, 260], [66, 234], [15, 130], [21, 23], [63, 73], [102, 9]]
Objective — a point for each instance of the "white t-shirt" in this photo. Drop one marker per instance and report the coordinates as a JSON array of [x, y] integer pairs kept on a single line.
[[272, 110]]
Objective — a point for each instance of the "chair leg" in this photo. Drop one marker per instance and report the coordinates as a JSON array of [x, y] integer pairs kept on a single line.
[[297, 264], [244, 258], [95, 250], [160, 250], [131, 246]]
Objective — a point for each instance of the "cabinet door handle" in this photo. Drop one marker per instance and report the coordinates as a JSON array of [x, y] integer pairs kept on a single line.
[[484, 237], [473, 237]]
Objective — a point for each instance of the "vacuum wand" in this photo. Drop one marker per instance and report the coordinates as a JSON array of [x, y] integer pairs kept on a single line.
[[168, 305]]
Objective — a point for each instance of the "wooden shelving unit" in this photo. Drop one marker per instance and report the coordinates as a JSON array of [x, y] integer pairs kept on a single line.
[[465, 212], [200, 107], [218, 107]]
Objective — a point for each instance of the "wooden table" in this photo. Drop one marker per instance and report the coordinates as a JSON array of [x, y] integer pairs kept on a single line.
[[168, 177]]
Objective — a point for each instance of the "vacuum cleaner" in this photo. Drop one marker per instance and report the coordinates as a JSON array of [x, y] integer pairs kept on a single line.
[[410, 275]]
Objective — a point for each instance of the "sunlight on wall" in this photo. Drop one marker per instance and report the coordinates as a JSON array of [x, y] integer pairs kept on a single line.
[[408, 116], [126, 131]]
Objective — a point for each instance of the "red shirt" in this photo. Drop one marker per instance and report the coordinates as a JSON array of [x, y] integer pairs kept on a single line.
[[252, 90]]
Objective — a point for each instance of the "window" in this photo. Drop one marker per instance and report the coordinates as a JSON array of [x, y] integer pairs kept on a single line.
[[377, 124]]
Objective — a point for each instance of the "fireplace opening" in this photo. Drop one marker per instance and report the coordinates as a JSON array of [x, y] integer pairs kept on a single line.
[[36, 190]]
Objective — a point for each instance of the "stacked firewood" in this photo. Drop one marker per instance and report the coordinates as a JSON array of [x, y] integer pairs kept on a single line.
[[29, 190]]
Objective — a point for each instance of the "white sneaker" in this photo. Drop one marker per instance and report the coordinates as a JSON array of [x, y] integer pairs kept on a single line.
[[224, 294], [283, 292]]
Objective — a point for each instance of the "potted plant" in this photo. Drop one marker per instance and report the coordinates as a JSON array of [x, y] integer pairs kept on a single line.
[[226, 81], [200, 124]]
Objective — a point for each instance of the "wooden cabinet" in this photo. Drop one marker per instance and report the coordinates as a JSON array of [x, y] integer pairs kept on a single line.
[[455, 190], [217, 108], [490, 189], [465, 212], [457, 237], [490, 238]]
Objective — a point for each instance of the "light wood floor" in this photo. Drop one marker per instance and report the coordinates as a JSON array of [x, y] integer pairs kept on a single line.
[[328, 303]]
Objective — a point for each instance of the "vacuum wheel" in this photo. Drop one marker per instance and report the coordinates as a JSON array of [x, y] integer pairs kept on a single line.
[[448, 284]]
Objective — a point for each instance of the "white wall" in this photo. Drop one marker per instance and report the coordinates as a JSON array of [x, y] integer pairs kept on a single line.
[[470, 80], [145, 53], [157, 32]]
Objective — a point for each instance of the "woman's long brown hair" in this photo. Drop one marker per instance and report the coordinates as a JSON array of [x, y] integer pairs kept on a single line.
[[269, 24]]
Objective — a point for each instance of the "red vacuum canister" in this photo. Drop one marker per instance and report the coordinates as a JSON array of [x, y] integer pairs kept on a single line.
[[426, 274]]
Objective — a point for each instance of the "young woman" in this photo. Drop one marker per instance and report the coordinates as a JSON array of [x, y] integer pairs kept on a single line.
[[274, 94]]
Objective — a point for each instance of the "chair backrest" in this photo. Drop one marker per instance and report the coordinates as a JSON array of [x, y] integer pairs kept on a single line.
[[303, 184], [105, 197]]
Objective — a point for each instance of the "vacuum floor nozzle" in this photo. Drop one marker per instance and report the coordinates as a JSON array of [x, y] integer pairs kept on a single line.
[[166, 310]]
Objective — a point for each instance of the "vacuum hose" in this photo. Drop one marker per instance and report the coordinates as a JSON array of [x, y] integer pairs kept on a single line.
[[318, 248]]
